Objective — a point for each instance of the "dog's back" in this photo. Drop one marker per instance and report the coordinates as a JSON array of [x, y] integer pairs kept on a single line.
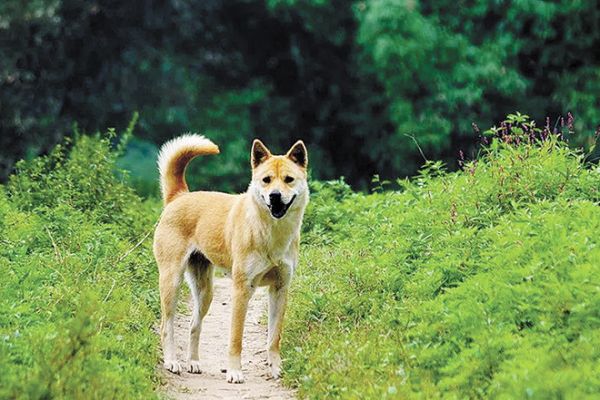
[[194, 221]]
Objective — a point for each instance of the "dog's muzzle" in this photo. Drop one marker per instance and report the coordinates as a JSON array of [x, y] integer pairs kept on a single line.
[[276, 205]]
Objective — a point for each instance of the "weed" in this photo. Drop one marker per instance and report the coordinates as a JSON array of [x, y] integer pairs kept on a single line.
[[78, 296], [481, 283]]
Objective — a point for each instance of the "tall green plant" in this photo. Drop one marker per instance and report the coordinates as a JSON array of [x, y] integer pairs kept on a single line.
[[78, 299], [480, 283]]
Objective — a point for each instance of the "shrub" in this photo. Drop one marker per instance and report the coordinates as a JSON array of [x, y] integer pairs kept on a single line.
[[479, 283], [78, 300]]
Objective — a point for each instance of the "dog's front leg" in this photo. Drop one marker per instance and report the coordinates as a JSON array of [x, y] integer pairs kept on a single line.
[[242, 292], [277, 303]]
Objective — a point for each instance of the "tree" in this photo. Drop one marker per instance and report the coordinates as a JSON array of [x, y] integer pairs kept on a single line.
[[360, 82], [447, 64]]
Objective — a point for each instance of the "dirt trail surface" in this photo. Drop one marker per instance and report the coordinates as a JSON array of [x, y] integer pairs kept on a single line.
[[211, 384]]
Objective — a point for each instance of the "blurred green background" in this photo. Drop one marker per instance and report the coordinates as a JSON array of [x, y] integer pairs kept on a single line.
[[356, 80]]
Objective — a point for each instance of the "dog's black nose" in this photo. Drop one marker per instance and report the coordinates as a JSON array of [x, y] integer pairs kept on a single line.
[[275, 196]]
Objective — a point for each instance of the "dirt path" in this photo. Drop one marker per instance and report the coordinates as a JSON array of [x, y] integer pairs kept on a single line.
[[211, 384]]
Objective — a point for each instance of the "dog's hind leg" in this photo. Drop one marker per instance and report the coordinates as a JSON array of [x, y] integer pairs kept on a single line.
[[200, 280], [169, 281]]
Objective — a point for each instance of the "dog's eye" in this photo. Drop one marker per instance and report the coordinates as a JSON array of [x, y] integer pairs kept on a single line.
[[288, 179], [267, 179]]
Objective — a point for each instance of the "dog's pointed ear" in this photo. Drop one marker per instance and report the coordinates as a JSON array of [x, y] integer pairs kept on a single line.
[[298, 154], [260, 153]]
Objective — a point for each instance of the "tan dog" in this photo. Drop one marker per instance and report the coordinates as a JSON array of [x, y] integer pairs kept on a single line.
[[255, 234]]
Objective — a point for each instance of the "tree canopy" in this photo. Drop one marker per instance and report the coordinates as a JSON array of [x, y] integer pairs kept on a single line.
[[361, 82]]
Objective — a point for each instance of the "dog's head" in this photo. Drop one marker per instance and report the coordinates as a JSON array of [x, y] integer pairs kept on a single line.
[[279, 182]]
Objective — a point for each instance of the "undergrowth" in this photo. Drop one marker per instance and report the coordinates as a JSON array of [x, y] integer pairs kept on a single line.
[[482, 283], [78, 298]]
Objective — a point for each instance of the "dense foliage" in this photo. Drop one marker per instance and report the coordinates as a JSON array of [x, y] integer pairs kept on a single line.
[[78, 298], [355, 79], [482, 283], [479, 283]]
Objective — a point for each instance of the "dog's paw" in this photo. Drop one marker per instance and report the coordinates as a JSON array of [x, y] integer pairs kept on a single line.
[[275, 371], [194, 367], [173, 366], [235, 376], [274, 361]]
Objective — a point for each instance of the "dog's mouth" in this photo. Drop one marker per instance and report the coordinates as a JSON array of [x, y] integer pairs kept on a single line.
[[278, 208]]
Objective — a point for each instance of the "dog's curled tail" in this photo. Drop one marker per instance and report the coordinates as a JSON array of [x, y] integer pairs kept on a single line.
[[174, 157]]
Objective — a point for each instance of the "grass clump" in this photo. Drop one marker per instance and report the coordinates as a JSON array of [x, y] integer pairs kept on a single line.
[[78, 298], [483, 283]]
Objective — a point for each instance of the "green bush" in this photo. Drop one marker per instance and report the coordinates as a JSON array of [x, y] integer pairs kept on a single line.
[[479, 283], [483, 283], [78, 298]]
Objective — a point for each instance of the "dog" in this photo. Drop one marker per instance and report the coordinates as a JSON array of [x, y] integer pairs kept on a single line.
[[255, 235]]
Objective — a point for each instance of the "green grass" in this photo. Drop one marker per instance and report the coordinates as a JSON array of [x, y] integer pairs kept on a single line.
[[484, 283], [78, 299]]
